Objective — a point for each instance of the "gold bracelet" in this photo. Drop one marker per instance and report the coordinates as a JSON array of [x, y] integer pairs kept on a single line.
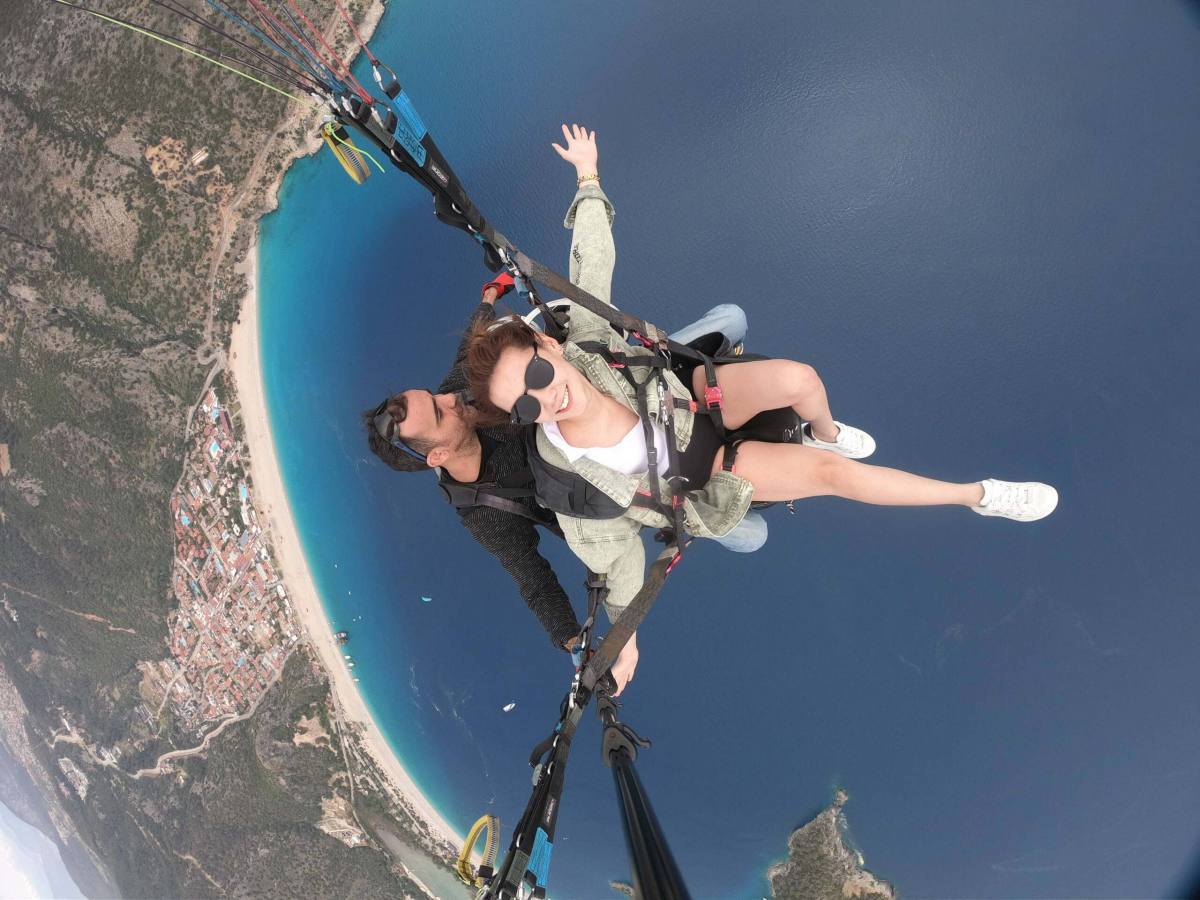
[[595, 176]]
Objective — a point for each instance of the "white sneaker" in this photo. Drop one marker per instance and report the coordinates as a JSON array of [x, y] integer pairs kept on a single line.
[[852, 443], [1022, 501]]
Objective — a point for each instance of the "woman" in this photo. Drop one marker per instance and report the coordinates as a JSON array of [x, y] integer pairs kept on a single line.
[[586, 412]]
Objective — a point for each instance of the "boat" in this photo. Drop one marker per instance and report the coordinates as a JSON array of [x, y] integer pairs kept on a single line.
[[341, 636], [509, 707], [350, 664]]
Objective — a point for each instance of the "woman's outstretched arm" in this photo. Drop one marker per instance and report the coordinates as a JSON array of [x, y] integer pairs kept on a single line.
[[593, 253]]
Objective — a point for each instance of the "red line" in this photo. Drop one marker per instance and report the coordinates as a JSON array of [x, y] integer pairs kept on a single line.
[[263, 12], [350, 22], [261, 8], [362, 92]]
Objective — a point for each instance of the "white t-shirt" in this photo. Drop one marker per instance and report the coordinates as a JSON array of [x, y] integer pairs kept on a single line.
[[628, 456]]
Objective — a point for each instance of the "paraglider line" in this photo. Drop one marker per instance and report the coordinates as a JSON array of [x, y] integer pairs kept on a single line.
[[345, 70], [178, 46], [278, 69], [305, 45], [358, 37]]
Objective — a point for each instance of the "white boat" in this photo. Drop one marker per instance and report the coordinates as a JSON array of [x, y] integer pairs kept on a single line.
[[509, 707]]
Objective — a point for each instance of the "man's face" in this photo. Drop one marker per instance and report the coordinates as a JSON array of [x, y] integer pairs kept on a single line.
[[436, 418]]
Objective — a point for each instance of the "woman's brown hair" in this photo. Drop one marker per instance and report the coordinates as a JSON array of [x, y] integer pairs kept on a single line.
[[487, 341]]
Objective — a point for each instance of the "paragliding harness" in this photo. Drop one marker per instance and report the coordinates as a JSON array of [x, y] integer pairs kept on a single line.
[[567, 492], [558, 490]]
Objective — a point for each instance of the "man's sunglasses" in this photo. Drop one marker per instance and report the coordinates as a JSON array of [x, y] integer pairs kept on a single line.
[[538, 374], [388, 429]]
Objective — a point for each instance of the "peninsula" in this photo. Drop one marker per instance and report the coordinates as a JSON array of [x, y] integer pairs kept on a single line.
[[820, 865]]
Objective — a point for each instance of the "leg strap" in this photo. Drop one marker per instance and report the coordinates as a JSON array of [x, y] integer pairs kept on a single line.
[[712, 397], [731, 451]]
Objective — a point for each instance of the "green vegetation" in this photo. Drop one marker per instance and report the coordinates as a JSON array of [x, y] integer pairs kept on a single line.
[[107, 241]]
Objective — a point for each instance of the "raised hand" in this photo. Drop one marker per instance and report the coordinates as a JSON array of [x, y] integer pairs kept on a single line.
[[580, 151]]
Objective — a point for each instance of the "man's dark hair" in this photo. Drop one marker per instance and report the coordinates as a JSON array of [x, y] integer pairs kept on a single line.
[[394, 457]]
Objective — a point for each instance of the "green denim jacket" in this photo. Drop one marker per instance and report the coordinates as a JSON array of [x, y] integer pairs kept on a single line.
[[613, 547]]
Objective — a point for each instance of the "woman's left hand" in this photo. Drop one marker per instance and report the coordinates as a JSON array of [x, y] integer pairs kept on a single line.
[[622, 670]]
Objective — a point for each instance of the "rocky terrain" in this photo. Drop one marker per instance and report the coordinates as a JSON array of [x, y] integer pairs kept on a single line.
[[820, 866]]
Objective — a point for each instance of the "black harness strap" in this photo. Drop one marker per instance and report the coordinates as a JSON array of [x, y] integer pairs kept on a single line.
[[619, 360], [500, 495], [713, 398], [623, 363], [551, 279], [631, 619], [528, 858], [730, 457], [493, 501]]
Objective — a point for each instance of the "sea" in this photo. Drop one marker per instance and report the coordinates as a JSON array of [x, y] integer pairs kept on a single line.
[[980, 222]]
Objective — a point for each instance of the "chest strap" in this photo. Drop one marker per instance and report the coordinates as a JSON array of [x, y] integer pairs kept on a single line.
[[464, 497]]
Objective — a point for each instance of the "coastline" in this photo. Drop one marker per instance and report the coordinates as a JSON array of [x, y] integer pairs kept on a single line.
[[271, 503], [270, 499]]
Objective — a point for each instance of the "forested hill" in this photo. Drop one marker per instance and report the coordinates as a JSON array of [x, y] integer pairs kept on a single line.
[[133, 176]]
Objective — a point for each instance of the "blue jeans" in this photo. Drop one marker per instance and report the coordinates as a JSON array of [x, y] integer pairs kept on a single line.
[[730, 320]]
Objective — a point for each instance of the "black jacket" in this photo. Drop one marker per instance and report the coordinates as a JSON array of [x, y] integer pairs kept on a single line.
[[511, 538]]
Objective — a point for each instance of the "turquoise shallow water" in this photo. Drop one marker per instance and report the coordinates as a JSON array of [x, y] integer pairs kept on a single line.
[[981, 225]]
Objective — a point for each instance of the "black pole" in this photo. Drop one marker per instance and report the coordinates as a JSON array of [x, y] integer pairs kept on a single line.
[[656, 877]]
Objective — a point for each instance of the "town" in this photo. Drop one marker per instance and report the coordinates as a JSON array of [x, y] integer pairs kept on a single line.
[[233, 629]]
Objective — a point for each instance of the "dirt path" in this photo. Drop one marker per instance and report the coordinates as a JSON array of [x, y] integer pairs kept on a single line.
[[91, 617], [225, 723]]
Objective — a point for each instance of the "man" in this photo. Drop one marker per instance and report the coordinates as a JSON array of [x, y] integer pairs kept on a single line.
[[485, 472]]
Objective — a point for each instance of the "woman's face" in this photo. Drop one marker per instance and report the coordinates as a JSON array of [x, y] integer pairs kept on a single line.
[[567, 396]]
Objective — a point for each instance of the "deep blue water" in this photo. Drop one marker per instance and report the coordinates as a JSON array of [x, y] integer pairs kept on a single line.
[[981, 223]]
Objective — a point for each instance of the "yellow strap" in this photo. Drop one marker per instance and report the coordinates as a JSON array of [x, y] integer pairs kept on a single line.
[[335, 136]]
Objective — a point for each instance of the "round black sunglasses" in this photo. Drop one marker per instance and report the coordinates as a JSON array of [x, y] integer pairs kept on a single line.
[[388, 429], [538, 374]]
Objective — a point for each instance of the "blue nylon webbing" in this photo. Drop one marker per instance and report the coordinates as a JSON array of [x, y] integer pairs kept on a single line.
[[539, 859]]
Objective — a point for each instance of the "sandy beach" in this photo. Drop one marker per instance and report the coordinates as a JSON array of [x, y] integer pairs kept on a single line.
[[270, 500]]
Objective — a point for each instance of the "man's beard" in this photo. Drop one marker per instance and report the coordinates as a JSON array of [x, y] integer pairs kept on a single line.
[[470, 437]]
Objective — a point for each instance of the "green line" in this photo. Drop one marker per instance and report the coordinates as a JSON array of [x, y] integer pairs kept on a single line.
[[357, 150], [215, 62]]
